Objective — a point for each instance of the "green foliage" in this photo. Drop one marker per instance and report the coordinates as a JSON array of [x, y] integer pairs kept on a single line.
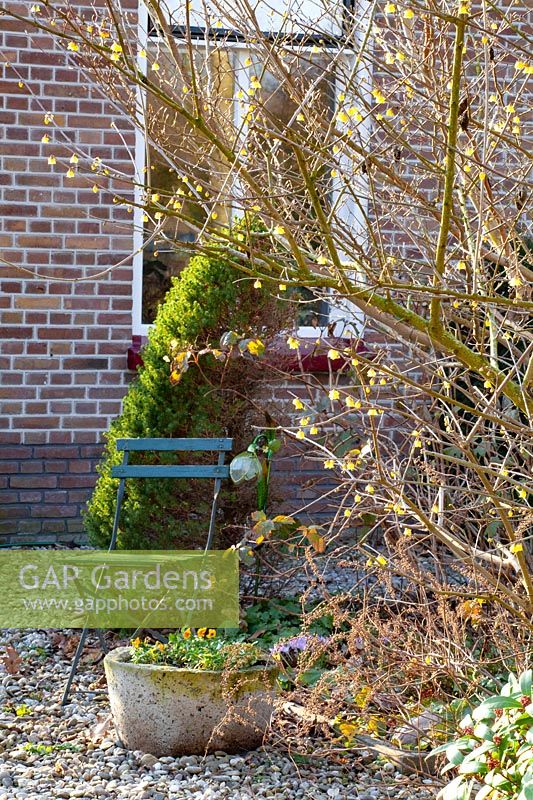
[[198, 650], [45, 749], [280, 619], [209, 400], [494, 753]]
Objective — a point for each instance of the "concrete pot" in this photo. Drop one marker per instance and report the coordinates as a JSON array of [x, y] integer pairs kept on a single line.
[[174, 711]]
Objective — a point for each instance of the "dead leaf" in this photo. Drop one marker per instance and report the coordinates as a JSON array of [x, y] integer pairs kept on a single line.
[[67, 644], [11, 660], [101, 729], [100, 683]]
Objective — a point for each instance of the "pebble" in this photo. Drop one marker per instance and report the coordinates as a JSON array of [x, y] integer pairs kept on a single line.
[[90, 770], [148, 760]]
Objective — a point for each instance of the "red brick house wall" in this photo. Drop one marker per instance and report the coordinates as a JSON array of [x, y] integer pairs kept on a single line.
[[63, 344]]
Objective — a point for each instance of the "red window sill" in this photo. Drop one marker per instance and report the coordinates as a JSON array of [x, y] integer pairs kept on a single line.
[[310, 356]]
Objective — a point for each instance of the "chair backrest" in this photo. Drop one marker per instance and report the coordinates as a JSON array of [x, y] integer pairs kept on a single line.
[[216, 471]]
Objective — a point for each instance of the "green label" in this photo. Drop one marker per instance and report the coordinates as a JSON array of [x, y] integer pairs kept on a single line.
[[119, 589]]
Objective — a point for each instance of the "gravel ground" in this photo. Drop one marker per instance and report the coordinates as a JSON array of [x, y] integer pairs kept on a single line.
[[48, 752]]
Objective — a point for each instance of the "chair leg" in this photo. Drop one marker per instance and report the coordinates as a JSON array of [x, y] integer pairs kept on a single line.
[[74, 667], [101, 639]]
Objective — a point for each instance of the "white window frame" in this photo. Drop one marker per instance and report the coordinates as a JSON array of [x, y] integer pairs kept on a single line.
[[348, 208]]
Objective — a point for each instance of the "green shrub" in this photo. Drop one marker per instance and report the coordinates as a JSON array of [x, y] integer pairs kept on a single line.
[[208, 298], [494, 753]]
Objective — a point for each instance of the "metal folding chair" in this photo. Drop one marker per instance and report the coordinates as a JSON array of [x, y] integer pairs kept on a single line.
[[216, 472]]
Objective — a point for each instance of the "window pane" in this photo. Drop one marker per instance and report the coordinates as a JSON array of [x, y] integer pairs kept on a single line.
[[179, 168]]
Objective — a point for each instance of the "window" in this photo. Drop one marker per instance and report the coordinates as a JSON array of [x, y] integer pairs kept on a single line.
[[172, 171]]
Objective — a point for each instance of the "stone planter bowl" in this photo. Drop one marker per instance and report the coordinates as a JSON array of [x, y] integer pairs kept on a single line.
[[175, 711]]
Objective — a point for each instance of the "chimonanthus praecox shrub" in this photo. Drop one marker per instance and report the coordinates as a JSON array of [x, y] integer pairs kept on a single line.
[[494, 753], [209, 298]]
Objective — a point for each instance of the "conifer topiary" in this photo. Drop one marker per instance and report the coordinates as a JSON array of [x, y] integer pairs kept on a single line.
[[207, 299]]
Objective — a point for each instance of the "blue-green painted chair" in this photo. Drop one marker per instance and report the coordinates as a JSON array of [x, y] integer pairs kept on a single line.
[[125, 471]]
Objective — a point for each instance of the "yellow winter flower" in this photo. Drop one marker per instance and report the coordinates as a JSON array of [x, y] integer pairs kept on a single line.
[[51, 160], [333, 354], [293, 343], [73, 46], [256, 347], [279, 230], [329, 463], [313, 431], [334, 394], [300, 434], [257, 284]]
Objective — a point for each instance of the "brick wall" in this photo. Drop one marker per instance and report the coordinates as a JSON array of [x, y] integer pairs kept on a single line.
[[63, 343]]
